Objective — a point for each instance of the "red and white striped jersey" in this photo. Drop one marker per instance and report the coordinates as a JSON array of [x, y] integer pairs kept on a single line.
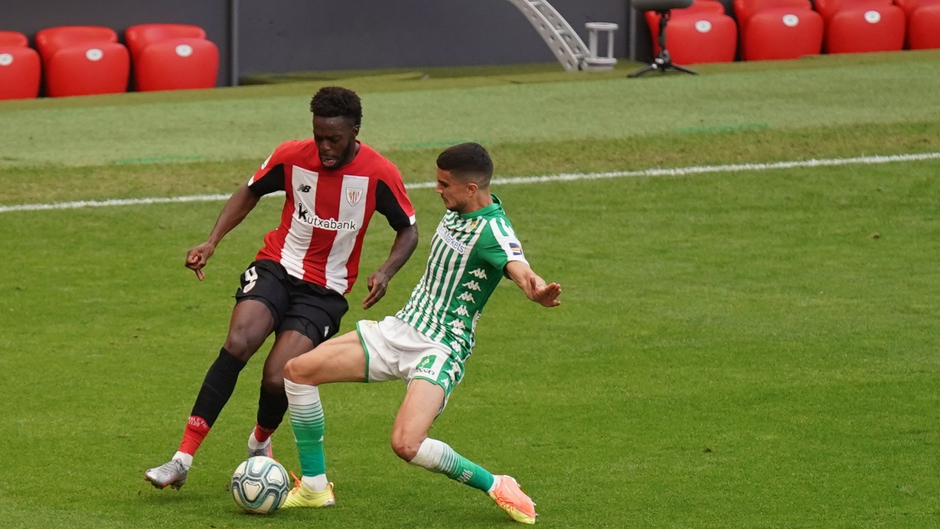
[[326, 212]]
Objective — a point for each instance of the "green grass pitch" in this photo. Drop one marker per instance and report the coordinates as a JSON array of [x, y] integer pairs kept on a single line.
[[753, 349]]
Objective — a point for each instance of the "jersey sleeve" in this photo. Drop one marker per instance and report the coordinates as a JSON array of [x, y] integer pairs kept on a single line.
[[502, 246], [270, 176], [392, 201]]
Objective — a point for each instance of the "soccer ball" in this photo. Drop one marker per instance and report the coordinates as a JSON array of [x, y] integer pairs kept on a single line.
[[260, 485]]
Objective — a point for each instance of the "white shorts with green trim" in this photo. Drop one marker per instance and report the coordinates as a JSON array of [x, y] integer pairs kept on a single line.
[[396, 350]]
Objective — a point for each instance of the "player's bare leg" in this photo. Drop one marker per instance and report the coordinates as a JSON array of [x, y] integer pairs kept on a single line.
[[422, 403], [341, 359]]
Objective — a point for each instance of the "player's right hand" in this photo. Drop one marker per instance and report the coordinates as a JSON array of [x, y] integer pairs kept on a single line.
[[197, 258]]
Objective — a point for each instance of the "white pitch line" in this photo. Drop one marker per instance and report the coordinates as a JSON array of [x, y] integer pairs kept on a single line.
[[563, 177], [112, 202]]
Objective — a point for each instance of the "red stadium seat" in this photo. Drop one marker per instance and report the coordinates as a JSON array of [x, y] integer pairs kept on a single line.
[[85, 69], [745, 9], [923, 30], [697, 7], [177, 64], [51, 40], [703, 37], [83, 60], [866, 28], [828, 8], [140, 36], [909, 6], [20, 72], [13, 39], [172, 57], [782, 33]]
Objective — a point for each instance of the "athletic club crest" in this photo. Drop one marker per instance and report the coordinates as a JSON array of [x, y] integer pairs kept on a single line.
[[353, 195]]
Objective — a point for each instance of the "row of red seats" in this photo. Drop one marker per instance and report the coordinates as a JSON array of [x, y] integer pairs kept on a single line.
[[85, 60], [789, 29]]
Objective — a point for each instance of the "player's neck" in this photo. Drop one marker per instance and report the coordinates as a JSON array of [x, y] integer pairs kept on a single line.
[[480, 200], [353, 153]]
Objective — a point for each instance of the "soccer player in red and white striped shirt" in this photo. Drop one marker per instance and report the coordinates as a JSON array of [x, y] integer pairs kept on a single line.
[[295, 288]]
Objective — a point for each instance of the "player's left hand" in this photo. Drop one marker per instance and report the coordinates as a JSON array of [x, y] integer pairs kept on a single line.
[[378, 284], [545, 295]]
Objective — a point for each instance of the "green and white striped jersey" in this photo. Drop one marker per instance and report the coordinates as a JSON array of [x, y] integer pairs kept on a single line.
[[469, 253]]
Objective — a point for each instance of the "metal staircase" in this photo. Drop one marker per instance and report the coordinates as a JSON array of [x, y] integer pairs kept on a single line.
[[567, 46]]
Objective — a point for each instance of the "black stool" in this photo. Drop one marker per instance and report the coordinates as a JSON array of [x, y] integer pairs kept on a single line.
[[663, 61]]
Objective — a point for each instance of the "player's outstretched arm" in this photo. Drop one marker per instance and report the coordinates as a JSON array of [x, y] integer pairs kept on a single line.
[[534, 286], [233, 212], [405, 243]]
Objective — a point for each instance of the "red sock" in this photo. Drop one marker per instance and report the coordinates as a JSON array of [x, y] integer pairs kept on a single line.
[[263, 434], [196, 430]]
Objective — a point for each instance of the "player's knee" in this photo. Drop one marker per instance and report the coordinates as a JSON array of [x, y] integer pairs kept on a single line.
[[273, 382], [404, 446], [240, 346], [300, 372], [291, 372]]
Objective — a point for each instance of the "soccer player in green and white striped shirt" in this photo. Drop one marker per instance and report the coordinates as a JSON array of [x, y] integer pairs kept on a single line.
[[427, 342]]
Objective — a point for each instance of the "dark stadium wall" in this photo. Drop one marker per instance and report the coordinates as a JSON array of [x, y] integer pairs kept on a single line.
[[304, 35], [379, 34]]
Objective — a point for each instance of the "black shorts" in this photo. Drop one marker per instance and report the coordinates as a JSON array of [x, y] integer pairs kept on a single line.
[[295, 304]]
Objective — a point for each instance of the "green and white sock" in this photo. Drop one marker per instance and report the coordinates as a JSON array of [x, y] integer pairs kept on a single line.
[[306, 418], [437, 456]]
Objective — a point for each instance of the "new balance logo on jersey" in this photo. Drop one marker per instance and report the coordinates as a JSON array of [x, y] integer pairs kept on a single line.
[[304, 215], [304, 188]]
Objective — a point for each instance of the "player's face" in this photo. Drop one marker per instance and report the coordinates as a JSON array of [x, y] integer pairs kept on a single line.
[[455, 194], [336, 140]]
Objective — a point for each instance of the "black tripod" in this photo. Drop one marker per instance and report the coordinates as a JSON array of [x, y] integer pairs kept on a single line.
[[663, 61]]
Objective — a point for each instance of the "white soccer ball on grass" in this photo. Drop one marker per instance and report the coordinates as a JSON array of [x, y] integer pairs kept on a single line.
[[260, 485]]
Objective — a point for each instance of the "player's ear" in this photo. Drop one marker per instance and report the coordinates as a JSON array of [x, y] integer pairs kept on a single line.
[[472, 188]]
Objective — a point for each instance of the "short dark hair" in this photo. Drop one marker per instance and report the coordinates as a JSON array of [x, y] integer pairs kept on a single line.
[[336, 101], [468, 162]]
